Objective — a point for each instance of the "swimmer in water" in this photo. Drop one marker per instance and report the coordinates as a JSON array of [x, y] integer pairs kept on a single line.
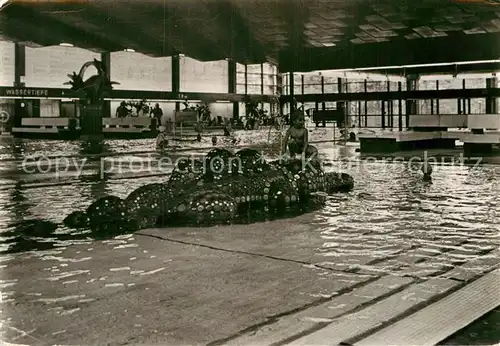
[[427, 171]]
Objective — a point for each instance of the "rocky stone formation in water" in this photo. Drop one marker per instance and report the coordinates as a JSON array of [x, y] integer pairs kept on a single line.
[[224, 188]]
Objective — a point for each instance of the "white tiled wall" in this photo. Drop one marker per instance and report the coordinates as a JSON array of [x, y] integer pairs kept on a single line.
[[136, 71], [200, 76], [6, 63], [50, 66]]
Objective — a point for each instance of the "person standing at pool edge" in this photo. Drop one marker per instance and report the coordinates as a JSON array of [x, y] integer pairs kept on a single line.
[[157, 113]]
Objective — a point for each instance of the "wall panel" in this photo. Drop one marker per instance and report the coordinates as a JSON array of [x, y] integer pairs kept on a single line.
[[135, 71], [6, 63], [49, 66], [200, 76]]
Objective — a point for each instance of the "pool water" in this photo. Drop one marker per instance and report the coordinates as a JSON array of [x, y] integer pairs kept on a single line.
[[391, 210]]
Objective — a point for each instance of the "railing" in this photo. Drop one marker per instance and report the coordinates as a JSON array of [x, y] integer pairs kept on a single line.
[[46, 125]]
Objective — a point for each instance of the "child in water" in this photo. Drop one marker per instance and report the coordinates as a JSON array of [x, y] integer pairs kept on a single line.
[[427, 171], [297, 137], [161, 139]]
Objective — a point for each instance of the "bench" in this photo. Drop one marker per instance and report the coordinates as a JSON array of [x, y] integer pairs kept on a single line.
[[46, 125], [129, 125]]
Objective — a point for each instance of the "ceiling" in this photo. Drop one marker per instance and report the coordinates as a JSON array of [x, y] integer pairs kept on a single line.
[[298, 35]]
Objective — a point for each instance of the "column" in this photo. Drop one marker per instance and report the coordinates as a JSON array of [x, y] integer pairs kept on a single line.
[[400, 107], [279, 91], [175, 66], [246, 79], [20, 106], [323, 105], [342, 84], [291, 85], [411, 105], [437, 100], [365, 89], [106, 61], [491, 102], [231, 82]]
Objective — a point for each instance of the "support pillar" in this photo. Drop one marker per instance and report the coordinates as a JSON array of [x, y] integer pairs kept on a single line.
[[411, 105], [19, 65], [175, 66], [293, 105], [437, 100], [400, 107], [246, 79], [365, 84], [106, 61], [382, 110], [91, 122], [359, 113], [14, 120], [342, 86], [491, 102], [323, 104], [231, 82], [279, 91]]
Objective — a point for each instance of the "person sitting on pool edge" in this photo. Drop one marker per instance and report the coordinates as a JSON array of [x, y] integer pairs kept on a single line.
[[297, 138]]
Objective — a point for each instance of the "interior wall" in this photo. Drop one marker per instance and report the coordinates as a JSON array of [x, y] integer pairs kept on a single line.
[[6, 63], [200, 76], [136, 71], [49, 108], [49, 66]]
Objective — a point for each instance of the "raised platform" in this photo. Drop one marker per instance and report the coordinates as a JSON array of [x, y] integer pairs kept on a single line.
[[390, 142], [394, 141]]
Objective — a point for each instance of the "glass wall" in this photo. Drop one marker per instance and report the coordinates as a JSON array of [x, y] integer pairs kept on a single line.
[[254, 79], [240, 78], [201, 76], [49, 108], [270, 79], [135, 71], [6, 63], [49, 66], [312, 83]]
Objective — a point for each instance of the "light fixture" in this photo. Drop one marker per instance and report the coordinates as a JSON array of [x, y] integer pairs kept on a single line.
[[129, 50], [329, 44], [64, 44]]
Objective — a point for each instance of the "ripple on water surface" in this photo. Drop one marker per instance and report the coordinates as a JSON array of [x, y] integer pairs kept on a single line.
[[390, 211]]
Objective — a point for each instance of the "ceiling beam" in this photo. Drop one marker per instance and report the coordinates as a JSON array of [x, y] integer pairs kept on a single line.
[[397, 53], [482, 67]]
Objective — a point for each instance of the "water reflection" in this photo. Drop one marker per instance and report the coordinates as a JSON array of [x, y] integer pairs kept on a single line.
[[390, 209], [94, 147]]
